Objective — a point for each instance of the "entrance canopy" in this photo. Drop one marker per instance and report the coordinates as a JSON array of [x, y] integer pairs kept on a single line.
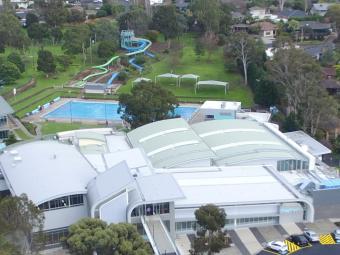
[[170, 76], [189, 76], [213, 83], [139, 80]]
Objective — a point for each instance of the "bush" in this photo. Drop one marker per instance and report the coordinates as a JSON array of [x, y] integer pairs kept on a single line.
[[64, 61], [124, 60], [9, 72], [92, 16], [101, 13], [106, 49], [11, 139], [152, 35], [122, 76], [140, 60], [15, 58]]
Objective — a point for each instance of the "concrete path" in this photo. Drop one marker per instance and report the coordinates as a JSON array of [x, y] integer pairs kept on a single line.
[[322, 226], [291, 228], [183, 244], [270, 233], [249, 240], [19, 125]]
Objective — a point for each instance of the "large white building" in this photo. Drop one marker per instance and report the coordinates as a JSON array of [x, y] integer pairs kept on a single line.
[[157, 175]]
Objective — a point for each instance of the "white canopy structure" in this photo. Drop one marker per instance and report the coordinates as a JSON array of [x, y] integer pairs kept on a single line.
[[189, 76], [212, 83], [139, 80], [170, 76]]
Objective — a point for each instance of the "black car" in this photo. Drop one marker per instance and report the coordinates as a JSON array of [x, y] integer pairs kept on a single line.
[[300, 240]]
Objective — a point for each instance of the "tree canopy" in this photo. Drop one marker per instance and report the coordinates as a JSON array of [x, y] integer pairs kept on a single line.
[[147, 103], [46, 62], [135, 19], [207, 13], [93, 235]]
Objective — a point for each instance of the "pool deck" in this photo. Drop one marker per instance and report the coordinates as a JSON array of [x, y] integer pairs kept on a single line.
[[39, 117]]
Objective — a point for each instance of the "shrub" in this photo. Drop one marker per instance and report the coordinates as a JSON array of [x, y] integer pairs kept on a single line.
[[152, 35], [140, 60], [101, 13], [122, 76]]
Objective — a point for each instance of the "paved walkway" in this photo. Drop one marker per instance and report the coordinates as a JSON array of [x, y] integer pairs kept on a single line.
[[183, 244], [249, 240], [291, 228]]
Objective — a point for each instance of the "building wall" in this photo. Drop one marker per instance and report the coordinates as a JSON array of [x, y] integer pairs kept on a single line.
[[60, 218], [114, 211], [326, 203]]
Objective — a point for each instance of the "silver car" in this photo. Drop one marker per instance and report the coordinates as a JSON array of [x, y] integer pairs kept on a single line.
[[311, 236], [278, 246], [336, 235]]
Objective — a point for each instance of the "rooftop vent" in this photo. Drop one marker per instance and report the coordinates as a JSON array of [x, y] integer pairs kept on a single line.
[[14, 152], [17, 159]]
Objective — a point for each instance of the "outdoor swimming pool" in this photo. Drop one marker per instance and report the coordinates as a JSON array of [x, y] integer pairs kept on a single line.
[[101, 111]]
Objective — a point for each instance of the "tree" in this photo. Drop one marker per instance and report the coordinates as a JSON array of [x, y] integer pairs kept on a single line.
[[7, 248], [244, 49], [94, 235], [299, 76], [56, 34], [9, 72], [76, 16], [168, 22], [135, 19], [106, 30], [19, 214], [64, 61], [31, 18], [199, 48], [53, 11], [46, 62], [209, 41], [11, 31], [211, 221], [266, 93], [207, 13], [281, 4], [147, 103], [333, 14], [106, 49], [15, 58], [38, 32], [76, 39]]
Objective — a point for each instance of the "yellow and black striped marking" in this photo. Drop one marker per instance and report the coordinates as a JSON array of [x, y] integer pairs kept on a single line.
[[292, 247], [326, 239]]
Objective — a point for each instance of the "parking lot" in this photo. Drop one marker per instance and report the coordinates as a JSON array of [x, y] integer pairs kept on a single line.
[[250, 241]]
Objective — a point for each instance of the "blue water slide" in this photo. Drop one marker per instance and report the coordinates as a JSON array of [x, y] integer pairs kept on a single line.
[[132, 62], [114, 76], [149, 54]]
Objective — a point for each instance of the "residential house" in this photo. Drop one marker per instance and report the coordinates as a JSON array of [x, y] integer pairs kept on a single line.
[[332, 86], [314, 29], [21, 4], [320, 8], [240, 28], [328, 72], [257, 12], [267, 29], [5, 112], [318, 50]]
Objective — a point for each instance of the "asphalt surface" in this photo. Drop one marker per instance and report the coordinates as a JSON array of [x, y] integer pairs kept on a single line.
[[316, 249]]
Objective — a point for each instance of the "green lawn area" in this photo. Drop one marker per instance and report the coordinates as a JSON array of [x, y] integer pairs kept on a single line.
[[21, 134], [54, 127], [207, 70]]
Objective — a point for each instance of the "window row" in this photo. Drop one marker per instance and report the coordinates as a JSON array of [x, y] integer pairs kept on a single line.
[[4, 134], [3, 121], [257, 220], [186, 226], [62, 202], [286, 165], [55, 237], [151, 209]]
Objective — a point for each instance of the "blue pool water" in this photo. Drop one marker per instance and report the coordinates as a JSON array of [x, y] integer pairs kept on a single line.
[[101, 111]]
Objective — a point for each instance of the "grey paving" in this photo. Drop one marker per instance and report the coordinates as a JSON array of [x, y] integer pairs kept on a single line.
[[270, 233], [322, 226], [259, 237], [281, 230], [301, 225], [237, 241]]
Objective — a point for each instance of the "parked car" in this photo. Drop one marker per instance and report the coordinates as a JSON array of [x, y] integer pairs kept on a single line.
[[299, 240], [278, 246], [311, 236], [336, 235]]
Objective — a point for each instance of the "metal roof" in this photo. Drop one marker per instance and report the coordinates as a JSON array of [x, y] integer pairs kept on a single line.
[[314, 147], [236, 141], [170, 143], [46, 170], [5, 108]]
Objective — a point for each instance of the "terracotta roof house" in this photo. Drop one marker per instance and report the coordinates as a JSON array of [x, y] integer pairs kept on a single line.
[[267, 29]]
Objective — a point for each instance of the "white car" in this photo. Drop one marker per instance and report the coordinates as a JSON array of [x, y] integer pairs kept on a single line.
[[278, 246], [311, 236]]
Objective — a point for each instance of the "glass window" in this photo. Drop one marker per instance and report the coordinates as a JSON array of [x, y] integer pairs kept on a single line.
[[76, 199]]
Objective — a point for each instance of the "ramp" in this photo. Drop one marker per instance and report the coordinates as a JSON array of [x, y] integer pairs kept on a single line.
[[158, 235]]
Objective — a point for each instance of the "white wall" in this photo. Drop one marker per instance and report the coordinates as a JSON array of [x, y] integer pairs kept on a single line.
[[114, 211]]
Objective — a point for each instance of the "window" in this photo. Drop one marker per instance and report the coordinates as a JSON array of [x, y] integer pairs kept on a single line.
[[286, 165], [151, 209], [55, 236], [62, 202], [257, 220], [185, 226]]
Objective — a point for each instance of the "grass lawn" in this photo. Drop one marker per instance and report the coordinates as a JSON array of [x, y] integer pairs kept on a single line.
[[54, 127], [207, 70], [21, 134]]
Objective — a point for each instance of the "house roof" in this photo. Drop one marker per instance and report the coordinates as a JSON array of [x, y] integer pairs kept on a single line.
[[330, 84], [292, 13], [316, 50], [315, 25], [5, 108], [265, 26], [321, 6], [256, 8], [329, 71]]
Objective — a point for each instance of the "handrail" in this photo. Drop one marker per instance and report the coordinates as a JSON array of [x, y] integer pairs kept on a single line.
[[148, 233]]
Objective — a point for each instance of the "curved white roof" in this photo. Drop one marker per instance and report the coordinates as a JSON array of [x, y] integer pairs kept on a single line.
[[45, 170]]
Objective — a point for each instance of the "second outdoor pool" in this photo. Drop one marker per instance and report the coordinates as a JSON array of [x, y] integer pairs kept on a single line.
[[101, 111]]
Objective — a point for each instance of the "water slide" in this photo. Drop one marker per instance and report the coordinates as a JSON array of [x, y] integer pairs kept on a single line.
[[114, 76], [142, 45]]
